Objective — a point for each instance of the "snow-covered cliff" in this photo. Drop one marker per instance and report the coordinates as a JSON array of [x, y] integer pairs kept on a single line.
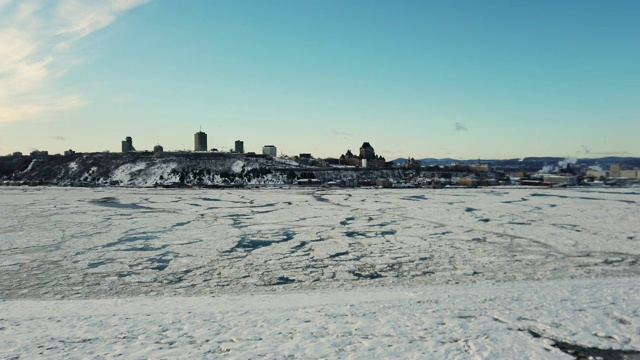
[[165, 169]]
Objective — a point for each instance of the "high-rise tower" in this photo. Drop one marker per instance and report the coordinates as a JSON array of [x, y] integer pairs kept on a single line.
[[239, 148], [200, 141]]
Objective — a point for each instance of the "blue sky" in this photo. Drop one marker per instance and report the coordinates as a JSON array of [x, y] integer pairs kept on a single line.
[[462, 79]]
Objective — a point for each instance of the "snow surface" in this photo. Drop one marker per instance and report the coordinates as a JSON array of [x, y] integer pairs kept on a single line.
[[318, 273], [237, 166]]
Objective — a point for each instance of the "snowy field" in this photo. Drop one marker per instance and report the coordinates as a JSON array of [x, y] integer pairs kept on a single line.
[[312, 273]]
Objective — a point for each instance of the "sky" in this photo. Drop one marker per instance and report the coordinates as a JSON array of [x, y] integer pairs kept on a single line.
[[445, 79]]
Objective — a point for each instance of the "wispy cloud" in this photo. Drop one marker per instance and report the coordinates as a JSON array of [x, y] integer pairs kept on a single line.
[[610, 153], [35, 35], [459, 127], [58, 138], [341, 133], [387, 153], [588, 151]]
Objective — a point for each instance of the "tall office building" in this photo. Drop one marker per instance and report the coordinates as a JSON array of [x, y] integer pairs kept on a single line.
[[269, 150], [200, 141], [239, 148], [127, 145]]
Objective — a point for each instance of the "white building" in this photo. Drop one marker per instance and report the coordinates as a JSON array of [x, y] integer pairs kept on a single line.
[[630, 174], [269, 150]]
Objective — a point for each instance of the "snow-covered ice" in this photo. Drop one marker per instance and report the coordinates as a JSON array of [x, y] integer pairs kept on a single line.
[[313, 273]]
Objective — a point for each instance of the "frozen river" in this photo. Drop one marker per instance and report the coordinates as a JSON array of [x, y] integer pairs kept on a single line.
[[462, 273]]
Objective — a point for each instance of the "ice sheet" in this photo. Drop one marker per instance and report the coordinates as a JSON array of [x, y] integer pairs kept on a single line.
[[500, 266]]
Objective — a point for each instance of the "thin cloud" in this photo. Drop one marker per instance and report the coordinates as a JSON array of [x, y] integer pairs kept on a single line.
[[35, 36], [609, 153], [341, 133], [460, 127], [386, 153], [79, 18], [61, 138], [588, 151]]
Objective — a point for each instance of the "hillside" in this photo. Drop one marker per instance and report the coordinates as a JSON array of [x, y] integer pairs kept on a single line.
[[170, 169]]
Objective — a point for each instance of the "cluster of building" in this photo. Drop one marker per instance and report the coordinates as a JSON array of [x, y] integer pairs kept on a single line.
[[465, 174], [366, 158], [615, 171], [33, 154], [200, 145]]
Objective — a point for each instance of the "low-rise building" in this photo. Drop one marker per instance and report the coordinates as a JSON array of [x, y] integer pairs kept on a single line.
[[630, 174], [468, 182], [597, 174], [560, 180], [39, 153], [479, 167], [309, 182], [385, 183]]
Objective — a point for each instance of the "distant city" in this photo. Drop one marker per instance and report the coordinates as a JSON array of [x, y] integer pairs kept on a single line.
[[200, 145], [534, 171], [366, 157]]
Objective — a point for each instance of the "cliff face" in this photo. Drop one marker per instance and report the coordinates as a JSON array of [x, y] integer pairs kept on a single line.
[[147, 169]]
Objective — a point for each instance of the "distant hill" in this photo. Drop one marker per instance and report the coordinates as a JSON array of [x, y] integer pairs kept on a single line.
[[531, 164], [547, 159]]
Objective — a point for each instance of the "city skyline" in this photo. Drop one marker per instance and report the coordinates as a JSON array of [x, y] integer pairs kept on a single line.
[[459, 79]]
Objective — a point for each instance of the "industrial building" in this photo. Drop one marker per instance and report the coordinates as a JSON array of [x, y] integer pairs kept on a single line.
[[200, 141]]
